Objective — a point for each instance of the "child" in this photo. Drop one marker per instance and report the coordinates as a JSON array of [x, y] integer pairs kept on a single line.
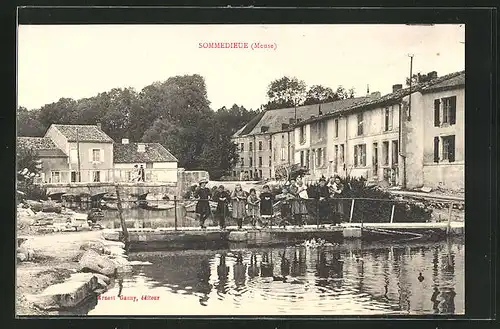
[[299, 209], [238, 198], [253, 207], [266, 203]]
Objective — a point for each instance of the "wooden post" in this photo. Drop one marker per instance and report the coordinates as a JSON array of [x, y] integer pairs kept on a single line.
[[392, 212], [126, 239], [175, 212], [448, 228], [352, 211]]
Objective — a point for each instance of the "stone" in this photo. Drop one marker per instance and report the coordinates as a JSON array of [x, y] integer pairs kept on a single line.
[[96, 246], [426, 189], [21, 257], [93, 262], [238, 236], [34, 205], [103, 277], [67, 294], [51, 206], [111, 235], [101, 283], [352, 232]]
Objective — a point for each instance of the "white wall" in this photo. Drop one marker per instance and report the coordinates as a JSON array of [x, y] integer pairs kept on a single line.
[[169, 174]]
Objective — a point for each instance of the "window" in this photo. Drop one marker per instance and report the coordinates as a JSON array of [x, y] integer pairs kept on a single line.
[[445, 111], [250, 146], [242, 161], [234, 173], [320, 128], [308, 157], [260, 173], [336, 127], [96, 176], [375, 159], [388, 119], [449, 148], [260, 145], [395, 153], [251, 174], [242, 147], [270, 161], [302, 134], [385, 153], [73, 177], [302, 158], [250, 162], [360, 124], [96, 155], [270, 144], [341, 153], [318, 158], [360, 155], [56, 177], [260, 161], [274, 154]]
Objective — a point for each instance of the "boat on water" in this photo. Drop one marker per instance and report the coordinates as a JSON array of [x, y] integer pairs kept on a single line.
[[161, 205]]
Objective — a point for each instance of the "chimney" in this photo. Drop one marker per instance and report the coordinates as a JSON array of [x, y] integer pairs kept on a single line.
[[141, 148], [432, 75], [397, 87], [98, 125], [263, 129], [376, 94], [284, 126], [125, 141], [291, 121]]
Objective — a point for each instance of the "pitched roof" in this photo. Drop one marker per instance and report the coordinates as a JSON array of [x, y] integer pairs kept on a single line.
[[451, 80], [273, 119], [85, 133], [154, 152], [43, 146]]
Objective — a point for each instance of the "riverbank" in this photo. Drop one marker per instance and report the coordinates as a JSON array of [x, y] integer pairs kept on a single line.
[[57, 258]]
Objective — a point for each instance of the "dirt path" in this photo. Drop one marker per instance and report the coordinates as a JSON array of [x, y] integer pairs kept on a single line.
[[54, 263]]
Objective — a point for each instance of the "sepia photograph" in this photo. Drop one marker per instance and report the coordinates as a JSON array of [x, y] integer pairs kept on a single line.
[[232, 170]]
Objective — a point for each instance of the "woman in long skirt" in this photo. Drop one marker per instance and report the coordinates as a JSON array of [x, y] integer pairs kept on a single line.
[[203, 207], [266, 203], [238, 198], [299, 209]]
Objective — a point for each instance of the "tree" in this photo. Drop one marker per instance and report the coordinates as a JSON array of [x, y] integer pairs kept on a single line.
[[234, 118], [318, 94], [286, 92], [63, 111], [28, 123]]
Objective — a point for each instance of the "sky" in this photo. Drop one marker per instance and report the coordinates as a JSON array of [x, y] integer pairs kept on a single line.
[[79, 61]]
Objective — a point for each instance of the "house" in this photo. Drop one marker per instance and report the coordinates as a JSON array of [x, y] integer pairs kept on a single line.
[[160, 165], [269, 135], [55, 163], [407, 138], [89, 149]]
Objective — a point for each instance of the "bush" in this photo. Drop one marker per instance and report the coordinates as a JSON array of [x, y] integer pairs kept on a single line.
[[376, 211]]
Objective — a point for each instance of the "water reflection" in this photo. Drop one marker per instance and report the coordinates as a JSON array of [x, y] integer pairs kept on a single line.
[[377, 278]]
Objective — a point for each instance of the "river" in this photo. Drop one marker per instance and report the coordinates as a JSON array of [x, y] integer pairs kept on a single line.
[[352, 278]]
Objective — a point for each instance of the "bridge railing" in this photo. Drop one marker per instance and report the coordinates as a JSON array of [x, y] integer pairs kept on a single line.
[[177, 212], [113, 175]]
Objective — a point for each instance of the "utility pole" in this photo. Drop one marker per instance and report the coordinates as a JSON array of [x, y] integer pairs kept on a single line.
[[411, 80], [78, 155]]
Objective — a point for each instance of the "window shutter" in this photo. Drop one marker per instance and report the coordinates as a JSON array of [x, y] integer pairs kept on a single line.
[[451, 149], [453, 109], [101, 155], [391, 112], [90, 155], [436, 149], [436, 113], [356, 156]]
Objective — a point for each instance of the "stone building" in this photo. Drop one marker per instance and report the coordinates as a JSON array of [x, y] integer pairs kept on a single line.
[[391, 140], [270, 136]]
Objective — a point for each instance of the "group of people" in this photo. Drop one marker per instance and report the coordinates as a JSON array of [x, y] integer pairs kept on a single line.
[[294, 201], [138, 174]]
